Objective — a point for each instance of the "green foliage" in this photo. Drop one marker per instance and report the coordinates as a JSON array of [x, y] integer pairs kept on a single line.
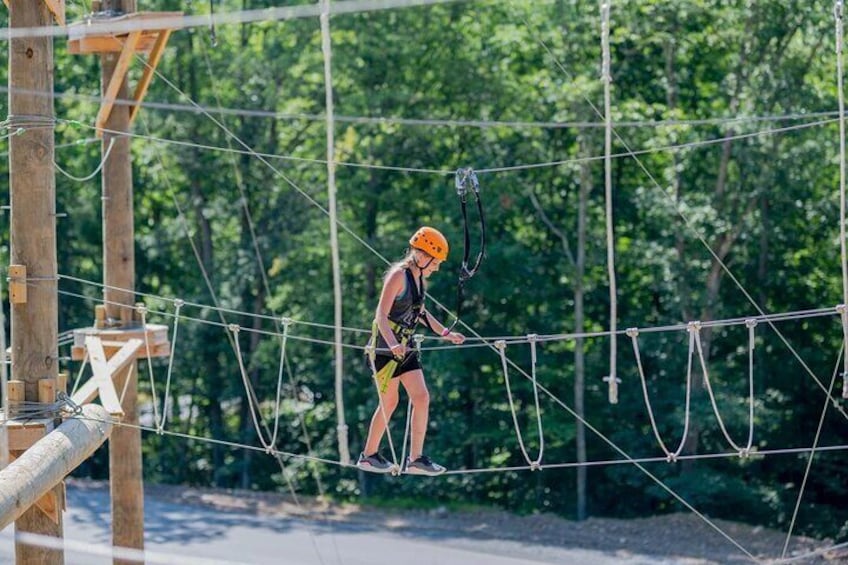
[[767, 204]]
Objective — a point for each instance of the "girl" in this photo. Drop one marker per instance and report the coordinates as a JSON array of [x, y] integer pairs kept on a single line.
[[395, 362]]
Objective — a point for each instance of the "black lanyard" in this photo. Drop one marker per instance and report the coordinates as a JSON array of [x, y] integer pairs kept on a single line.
[[467, 179]]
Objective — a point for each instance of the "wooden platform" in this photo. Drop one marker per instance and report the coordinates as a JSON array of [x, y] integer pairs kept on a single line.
[[115, 338]]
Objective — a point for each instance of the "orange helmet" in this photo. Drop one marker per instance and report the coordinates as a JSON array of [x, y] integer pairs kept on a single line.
[[430, 241]]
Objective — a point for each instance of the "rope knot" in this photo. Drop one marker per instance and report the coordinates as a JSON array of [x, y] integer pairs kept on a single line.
[[500, 344], [535, 466], [269, 450], [632, 332], [179, 303], [671, 458], [141, 309], [532, 337], [286, 321], [751, 323], [693, 326], [235, 328], [744, 453], [840, 308]]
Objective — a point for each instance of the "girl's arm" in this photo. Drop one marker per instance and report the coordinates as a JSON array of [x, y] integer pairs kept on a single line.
[[439, 328], [391, 289]]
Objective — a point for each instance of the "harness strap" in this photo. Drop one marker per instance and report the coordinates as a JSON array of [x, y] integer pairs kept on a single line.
[[464, 178]]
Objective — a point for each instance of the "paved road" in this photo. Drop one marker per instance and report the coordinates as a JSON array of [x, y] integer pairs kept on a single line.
[[185, 534]]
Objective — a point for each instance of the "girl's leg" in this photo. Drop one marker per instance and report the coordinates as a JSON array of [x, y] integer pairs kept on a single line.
[[382, 415], [416, 388]]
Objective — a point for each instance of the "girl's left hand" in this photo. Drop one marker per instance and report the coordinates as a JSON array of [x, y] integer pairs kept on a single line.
[[455, 338]]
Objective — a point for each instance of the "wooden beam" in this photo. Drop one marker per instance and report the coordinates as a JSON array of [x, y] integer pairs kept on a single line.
[[118, 77], [99, 44], [149, 69], [118, 362], [43, 466]]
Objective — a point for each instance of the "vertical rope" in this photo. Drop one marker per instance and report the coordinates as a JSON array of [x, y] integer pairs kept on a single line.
[[326, 47], [837, 12], [4, 383], [612, 379]]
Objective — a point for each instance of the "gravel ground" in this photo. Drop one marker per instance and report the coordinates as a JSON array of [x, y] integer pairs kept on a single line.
[[684, 538]]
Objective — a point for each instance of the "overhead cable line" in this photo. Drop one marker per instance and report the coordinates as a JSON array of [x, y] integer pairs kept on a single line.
[[425, 122], [446, 172], [119, 26]]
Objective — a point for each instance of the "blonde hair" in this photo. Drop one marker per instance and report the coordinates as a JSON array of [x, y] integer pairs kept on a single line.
[[407, 262]]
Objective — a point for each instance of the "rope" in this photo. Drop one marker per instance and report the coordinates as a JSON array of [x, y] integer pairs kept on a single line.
[[97, 170], [156, 419], [810, 459], [424, 121], [694, 229], [670, 456], [612, 379], [443, 172], [4, 386], [248, 387], [534, 464], [743, 451], [370, 353], [327, 50], [120, 26], [837, 12]]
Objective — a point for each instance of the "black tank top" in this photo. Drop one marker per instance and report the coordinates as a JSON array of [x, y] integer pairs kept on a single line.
[[405, 310]]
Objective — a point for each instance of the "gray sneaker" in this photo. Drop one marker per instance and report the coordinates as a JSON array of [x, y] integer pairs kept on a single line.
[[374, 463], [423, 466]]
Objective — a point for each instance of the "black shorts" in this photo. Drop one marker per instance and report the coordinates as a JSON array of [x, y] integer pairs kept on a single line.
[[409, 363]]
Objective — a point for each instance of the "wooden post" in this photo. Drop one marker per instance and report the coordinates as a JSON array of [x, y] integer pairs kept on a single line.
[[119, 273], [33, 231]]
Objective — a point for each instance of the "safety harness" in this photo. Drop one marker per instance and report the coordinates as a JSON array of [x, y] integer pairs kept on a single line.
[[402, 329]]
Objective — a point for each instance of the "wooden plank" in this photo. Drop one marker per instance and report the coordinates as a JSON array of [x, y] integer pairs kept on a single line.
[[117, 80], [47, 391], [149, 69], [49, 504], [23, 435], [88, 391], [99, 44], [57, 7], [17, 284]]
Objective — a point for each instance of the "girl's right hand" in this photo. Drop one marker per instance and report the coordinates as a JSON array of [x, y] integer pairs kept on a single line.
[[399, 351]]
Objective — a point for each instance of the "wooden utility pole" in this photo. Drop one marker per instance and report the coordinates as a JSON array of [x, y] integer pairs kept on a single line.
[[125, 468], [32, 188]]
